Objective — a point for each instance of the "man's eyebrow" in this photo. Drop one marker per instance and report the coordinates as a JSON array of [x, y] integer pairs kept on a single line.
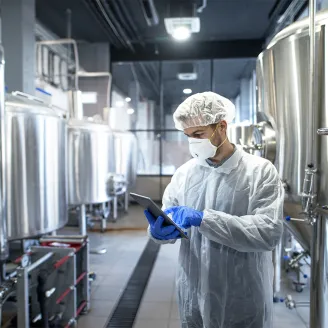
[[193, 133]]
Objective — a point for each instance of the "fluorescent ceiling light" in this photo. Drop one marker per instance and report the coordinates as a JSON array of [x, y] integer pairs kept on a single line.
[[130, 111], [127, 99], [187, 91], [181, 33], [119, 104]]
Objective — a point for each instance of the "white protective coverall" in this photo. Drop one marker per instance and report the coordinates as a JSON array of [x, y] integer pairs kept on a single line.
[[225, 273]]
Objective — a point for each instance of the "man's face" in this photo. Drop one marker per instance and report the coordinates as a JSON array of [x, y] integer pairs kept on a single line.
[[215, 132]]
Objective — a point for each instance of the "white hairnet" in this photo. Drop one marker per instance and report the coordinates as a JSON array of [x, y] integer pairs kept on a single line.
[[202, 109]]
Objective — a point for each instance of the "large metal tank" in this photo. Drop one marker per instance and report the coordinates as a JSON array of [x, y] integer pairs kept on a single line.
[[36, 172], [246, 136], [283, 103], [126, 155], [91, 159], [240, 134]]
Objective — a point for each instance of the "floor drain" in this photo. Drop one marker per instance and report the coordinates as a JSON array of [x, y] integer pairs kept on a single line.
[[127, 307]]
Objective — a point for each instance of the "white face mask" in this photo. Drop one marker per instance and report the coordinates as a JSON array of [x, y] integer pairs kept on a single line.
[[202, 148]]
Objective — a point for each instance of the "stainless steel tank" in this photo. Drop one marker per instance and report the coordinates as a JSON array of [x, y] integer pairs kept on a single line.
[[126, 155], [246, 136], [283, 102], [91, 159], [240, 134], [36, 172]]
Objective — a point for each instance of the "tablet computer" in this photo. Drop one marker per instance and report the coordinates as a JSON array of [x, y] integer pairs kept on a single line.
[[149, 205]]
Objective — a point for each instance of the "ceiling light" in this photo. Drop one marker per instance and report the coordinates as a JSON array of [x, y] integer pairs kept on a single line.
[[127, 99], [187, 76], [119, 104], [130, 111], [191, 23], [187, 91], [181, 33]]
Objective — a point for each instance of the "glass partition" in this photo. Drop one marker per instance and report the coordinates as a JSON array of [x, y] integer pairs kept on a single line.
[[145, 95], [175, 151], [148, 152]]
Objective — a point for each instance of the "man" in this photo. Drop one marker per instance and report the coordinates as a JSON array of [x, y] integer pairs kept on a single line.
[[230, 204]]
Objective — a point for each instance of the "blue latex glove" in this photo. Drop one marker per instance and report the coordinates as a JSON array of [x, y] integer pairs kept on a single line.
[[185, 217], [159, 231]]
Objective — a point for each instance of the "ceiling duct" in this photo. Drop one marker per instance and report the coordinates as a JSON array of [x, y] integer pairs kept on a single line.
[[150, 12], [187, 72]]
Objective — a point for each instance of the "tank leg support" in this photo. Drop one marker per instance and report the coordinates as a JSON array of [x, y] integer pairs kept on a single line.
[[126, 201]]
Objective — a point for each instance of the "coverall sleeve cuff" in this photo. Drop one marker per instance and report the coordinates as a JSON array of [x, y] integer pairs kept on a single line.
[[206, 226]]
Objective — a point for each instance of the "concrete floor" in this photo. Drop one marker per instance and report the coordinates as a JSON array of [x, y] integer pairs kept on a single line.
[[159, 307]]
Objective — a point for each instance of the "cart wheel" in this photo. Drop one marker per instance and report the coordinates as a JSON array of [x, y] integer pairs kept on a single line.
[[299, 288], [92, 276], [276, 299]]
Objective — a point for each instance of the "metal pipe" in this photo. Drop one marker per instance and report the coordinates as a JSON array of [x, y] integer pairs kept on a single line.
[[83, 220], [68, 36], [127, 23], [3, 194], [151, 21], [323, 132], [311, 133], [202, 7], [75, 104], [68, 23], [64, 240], [309, 192], [130, 20], [212, 75], [116, 28], [319, 269], [40, 261], [303, 242], [99, 18]]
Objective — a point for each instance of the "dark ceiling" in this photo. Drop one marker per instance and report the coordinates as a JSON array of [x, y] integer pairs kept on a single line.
[[220, 20], [224, 23]]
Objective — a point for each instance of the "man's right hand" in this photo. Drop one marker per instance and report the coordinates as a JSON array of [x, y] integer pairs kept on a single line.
[[159, 231]]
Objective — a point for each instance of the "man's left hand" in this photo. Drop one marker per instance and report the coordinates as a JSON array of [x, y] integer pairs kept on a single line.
[[185, 217]]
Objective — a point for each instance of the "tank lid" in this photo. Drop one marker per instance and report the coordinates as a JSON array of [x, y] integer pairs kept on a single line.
[[299, 27], [28, 103]]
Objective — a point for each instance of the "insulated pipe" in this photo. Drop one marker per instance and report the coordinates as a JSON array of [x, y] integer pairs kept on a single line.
[[3, 194], [311, 135]]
